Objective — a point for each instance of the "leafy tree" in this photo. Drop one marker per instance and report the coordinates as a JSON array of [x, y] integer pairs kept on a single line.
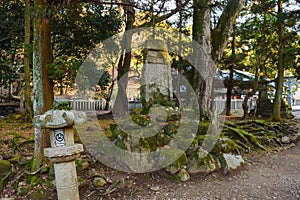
[[27, 61], [257, 42], [11, 12], [63, 72], [276, 23], [76, 29], [71, 44]]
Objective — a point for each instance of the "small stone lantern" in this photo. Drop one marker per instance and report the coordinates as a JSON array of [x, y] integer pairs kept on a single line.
[[63, 151]]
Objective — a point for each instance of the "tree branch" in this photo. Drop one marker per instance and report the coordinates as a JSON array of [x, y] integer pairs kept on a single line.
[[9, 98], [179, 7], [222, 32], [157, 20], [102, 2]]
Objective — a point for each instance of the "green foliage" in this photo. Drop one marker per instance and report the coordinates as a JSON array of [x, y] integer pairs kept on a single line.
[[256, 41], [63, 72], [77, 28], [11, 24], [11, 41], [62, 106], [104, 80]]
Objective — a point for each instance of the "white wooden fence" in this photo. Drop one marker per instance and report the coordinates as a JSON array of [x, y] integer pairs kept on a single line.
[[236, 104], [81, 104], [88, 104]]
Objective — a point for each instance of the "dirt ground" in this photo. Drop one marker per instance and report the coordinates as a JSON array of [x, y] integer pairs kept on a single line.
[[273, 175], [268, 175]]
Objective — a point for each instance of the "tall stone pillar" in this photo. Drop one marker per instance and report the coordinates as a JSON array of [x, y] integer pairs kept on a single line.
[[156, 74]]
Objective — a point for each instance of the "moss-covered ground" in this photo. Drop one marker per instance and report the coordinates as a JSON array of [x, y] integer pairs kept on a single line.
[[17, 144]]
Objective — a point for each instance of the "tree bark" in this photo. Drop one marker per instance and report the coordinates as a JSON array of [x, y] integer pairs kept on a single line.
[[229, 92], [111, 88], [230, 82], [201, 78], [212, 46], [280, 68], [121, 105], [28, 114], [43, 91]]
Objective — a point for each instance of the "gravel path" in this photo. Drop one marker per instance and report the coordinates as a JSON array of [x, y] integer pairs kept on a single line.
[[275, 175]]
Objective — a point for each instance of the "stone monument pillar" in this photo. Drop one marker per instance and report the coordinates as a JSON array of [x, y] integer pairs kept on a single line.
[[156, 74]]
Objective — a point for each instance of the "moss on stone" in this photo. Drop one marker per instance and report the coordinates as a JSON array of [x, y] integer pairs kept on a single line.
[[167, 157], [203, 128], [5, 171]]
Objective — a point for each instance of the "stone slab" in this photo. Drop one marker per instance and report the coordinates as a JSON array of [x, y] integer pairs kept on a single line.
[[62, 151]]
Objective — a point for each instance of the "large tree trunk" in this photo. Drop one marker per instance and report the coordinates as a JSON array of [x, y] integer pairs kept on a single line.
[[202, 81], [43, 92], [120, 108], [28, 114], [212, 46], [280, 68]]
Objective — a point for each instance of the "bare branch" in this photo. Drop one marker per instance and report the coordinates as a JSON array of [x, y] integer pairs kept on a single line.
[[9, 98], [159, 19], [103, 2]]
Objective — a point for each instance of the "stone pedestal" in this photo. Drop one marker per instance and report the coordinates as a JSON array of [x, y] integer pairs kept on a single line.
[[66, 180]]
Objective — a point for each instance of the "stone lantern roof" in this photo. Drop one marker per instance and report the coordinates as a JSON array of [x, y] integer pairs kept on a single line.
[[60, 118]]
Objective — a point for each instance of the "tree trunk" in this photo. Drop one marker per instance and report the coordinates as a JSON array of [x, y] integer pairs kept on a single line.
[[111, 88], [229, 92], [280, 68], [120, 109], [201, 80], [28, 114], [212, 46], [230, 82], [251, 93], [43, 91]]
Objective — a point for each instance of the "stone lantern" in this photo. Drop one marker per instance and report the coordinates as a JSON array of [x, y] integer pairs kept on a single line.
[[63, 150]]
